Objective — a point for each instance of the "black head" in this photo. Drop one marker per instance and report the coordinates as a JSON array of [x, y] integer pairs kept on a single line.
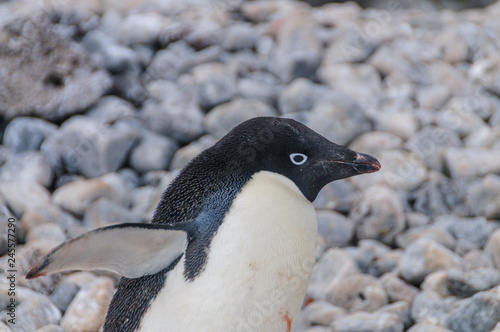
[[289, 148]]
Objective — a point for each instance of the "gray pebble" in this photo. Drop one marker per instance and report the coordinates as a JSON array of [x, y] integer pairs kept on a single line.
[[375, 141], [433, 96], [105, 212], [334, 263], [186, 153], [482, 197], [357, 292], [403, 124], [322, 313], [471, 162], [50, 328], [475, 259], [492, 247], [402, 309], [467, 283], [216, 84], [141, 28], [89, 146], [154, 152], [36, 312], [171, 62], [111, 109], [27, 166], [64, 294], [220, 120], [26, 133], [172, 110], [474, 230], [301, 95], [479, 313], [24, 195], [240, 36], [428, 327], [378, 214], [369, 322], [337, 195], [397, 289], [88, 309], [424, 256], [429, 306], [334, 229], [50, 231], [387, 263]]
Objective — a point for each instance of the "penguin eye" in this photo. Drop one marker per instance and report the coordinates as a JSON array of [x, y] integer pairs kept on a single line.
[[298, 158]]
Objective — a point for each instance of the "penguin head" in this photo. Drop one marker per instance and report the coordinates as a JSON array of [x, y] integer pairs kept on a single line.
[[289, 148]]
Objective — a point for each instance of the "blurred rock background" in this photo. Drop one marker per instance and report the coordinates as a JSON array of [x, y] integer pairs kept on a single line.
[[102, 102]]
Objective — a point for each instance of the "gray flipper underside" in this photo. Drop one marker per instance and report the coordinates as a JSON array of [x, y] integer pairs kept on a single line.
[[131, 250]]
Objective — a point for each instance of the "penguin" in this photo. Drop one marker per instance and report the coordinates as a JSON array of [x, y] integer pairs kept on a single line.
[[232, 242]]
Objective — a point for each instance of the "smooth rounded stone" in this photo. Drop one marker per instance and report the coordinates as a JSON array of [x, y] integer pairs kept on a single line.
[[360, 82], [36, 312], [338, 118], [334, 229], [5, 328], [24, 195], [424, 256], [106, 212], [401, 170], [397, 289], [433, 96], [401, 308], [454, 117], [475, 259], [428, 327], [262, 86], [240, 36], [485, 71], [416, 219], [437, 282], [215, 84], [357, 292], [76, 196], [337, 195], [50, 328], [28, 166], [205, 33], [487, 137], [46, 74], [322, 313], [130, 177], [88, 309], [298, 50], [387, 263], [437, 234], [221, 119], [154, 152], [26, 133], [471, 162], [467, 283], [479, 313], [378, 214], [369, 322], [88, 146], [108, 53], [141, 28], [474, 230], [403, 124], [128, 86], [49, 231], [492, 247], [184, 155], [301, 95], [429, 306], [64, 294], [351, 44], [172, 110], [144, 201], [318, 329], [333, 264], [374, 142], [112, 109], [431, 143], [171, 62], [482, 197]]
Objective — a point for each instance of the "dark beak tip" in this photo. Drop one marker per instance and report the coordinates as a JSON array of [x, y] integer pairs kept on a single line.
[[367, 163]]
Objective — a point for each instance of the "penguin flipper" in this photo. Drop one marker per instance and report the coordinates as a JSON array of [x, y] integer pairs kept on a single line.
[[132, 250]]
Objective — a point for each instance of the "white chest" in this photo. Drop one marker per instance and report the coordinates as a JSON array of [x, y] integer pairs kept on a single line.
[[258, 267]]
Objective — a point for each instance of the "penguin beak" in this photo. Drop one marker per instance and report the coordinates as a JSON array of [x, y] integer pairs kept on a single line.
[[365, 163]]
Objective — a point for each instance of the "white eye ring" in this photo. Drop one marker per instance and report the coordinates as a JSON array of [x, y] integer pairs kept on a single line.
[[298, 158]]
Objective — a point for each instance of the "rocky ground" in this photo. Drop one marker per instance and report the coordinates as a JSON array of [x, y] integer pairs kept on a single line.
[[103, 102]]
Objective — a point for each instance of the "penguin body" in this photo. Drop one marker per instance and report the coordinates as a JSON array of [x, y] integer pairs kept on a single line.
[[232, 242]]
